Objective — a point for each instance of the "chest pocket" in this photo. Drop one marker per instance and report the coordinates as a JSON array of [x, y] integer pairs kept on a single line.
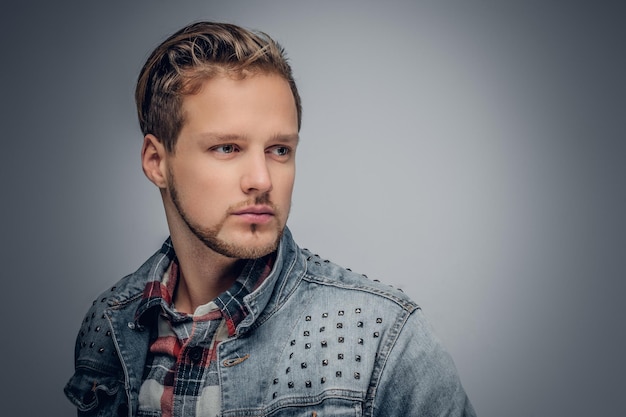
[[96, 394]]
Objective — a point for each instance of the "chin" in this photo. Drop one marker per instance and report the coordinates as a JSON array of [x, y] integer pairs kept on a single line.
[[246, 245]]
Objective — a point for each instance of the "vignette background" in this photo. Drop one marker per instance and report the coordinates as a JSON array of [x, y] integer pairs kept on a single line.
[[471, 153]]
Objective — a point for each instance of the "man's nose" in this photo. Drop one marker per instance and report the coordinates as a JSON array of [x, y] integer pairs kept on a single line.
[[256, 177]]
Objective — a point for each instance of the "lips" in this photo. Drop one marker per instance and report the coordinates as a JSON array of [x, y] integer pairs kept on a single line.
[[255, 210], [255, 214]]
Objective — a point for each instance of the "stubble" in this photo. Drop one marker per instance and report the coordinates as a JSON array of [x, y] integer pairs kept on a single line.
[[209, 236]]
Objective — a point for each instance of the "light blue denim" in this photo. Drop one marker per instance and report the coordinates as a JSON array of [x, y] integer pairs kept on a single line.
[[319, 340]]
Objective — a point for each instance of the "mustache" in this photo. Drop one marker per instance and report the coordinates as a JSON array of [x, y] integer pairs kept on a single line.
[[261, 199]]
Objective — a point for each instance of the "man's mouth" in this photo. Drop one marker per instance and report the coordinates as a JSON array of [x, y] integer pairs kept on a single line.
[[255, 214]]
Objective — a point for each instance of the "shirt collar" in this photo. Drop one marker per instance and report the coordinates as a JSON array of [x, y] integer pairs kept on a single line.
[[159, 290]]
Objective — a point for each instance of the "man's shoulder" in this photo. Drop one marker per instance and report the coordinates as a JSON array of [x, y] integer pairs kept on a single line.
[[125, 291], [347, 283], [94, 337]]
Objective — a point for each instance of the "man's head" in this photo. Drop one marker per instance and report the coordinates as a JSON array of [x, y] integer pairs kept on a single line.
[[220, 115], [196, 53]]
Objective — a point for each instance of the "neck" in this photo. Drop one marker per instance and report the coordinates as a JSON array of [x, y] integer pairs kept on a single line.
[[204, 274]]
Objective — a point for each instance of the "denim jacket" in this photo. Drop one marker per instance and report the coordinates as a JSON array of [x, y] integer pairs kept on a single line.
[[319, 340]]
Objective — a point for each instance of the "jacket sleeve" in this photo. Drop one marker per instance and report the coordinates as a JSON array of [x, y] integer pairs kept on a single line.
[[97, 386], [418, 377]]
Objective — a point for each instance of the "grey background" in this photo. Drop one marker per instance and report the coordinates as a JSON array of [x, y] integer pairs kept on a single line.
[[471, 153]]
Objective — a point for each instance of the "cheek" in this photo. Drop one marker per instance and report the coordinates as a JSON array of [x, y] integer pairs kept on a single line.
[[198, 175], [201, 190], [283, 188]]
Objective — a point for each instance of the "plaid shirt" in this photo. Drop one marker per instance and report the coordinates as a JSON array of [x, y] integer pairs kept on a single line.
[[180, 376]]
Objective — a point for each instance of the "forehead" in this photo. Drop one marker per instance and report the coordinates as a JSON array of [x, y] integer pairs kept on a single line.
[[257, 102]]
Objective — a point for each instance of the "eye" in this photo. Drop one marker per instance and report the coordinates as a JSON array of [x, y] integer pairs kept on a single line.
[[280, 150], [225, 149]]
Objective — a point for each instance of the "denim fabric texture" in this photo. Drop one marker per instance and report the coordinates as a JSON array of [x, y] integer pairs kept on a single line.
[[319, 340]]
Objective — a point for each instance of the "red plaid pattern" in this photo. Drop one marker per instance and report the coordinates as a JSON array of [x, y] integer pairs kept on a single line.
[[180, 376]]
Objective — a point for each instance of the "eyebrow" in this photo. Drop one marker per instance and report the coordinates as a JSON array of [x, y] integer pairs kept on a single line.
[[287, 138], [215, 137]]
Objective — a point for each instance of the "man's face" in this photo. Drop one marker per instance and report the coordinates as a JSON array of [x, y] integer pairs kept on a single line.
[[231, 176]]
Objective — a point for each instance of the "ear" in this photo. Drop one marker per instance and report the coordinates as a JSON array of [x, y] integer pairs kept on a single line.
[[153, 160]]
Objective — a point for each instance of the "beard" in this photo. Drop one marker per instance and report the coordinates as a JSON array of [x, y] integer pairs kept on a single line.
[[209, 236]]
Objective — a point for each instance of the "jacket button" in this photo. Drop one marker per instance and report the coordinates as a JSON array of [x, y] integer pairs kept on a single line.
[[122, 410], [195, 353]]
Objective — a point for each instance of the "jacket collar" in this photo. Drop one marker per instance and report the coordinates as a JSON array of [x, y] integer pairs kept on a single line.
[[289, 268]]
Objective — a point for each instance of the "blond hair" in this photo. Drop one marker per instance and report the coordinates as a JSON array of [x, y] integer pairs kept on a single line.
[[197, 52]]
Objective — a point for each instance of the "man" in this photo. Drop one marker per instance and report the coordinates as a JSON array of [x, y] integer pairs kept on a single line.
[[230, 317]]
